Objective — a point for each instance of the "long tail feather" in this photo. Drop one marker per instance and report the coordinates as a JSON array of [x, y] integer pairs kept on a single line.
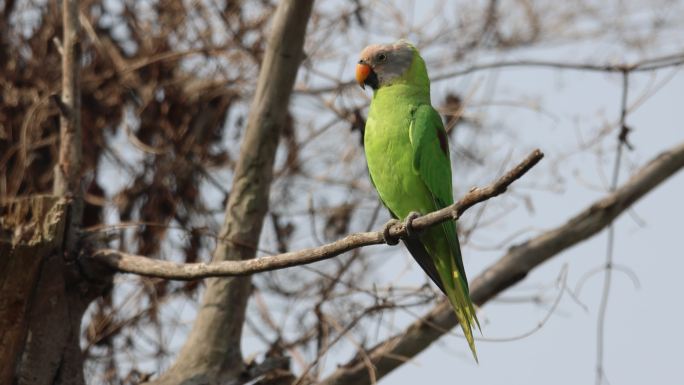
[[450, 267]]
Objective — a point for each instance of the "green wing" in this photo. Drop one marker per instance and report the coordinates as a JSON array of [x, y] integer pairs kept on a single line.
[[431, 162]]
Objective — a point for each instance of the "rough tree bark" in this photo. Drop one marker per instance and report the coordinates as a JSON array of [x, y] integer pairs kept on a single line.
[[43, 293], [510, 269], [211, 353], [42, 296], [67, 175]]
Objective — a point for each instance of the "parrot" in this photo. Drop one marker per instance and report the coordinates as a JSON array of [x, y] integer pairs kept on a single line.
[[407, 152]]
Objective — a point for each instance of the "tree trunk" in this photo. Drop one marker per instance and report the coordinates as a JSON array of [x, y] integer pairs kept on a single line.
[[42, 296], [42, 291], [212, 353]]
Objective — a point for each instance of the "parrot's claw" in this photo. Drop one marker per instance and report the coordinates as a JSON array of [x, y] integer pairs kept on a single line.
[[410, 231], [386, 236]]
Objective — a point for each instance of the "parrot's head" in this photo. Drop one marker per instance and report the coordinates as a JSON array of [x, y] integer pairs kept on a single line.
[[381, 64]]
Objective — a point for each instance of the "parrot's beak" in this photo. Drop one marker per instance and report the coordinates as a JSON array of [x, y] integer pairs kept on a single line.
[[366, 75]]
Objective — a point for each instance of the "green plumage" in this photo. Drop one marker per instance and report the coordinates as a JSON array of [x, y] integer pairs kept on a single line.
[[408, 160]]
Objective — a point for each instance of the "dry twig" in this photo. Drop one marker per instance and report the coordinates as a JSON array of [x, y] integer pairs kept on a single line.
[[124, 262]]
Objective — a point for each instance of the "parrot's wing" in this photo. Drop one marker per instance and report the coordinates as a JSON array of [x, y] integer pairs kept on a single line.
[[417, 250], [431, 162]]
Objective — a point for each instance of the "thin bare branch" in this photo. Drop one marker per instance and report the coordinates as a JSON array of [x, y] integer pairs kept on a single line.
[[672, 60], [128, 263], [622, 142], [68, 169], [666, 61], [67, 174]]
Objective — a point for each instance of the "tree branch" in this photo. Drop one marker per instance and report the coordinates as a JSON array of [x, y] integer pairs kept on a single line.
[[128, 263], [510, 269], [67, 172], [212, 352], [652, 64]]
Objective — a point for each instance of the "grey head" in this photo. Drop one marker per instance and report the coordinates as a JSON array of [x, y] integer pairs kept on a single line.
[[381, 64]]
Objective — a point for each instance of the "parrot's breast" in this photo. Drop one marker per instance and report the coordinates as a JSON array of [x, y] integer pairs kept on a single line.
[[389, 154]]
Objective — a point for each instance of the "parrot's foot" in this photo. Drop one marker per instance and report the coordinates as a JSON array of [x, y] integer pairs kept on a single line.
[[389, 239], [410, 231]]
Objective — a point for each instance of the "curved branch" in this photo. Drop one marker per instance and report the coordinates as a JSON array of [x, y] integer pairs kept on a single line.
[[128, 263], [652, 64], [510, 269]]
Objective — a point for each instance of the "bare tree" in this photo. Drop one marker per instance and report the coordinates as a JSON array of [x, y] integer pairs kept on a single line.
[[208, 148]]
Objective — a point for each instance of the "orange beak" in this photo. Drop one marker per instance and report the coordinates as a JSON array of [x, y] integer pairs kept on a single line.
[[362, 72]]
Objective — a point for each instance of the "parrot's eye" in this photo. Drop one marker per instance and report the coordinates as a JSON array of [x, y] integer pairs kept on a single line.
[[381, 57]]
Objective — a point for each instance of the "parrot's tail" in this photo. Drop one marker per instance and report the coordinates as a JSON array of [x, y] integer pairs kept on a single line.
[[456, 284], [457, 292], [463, 307]]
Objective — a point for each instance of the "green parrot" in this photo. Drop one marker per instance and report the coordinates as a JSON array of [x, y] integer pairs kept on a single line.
[[408, 161]]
